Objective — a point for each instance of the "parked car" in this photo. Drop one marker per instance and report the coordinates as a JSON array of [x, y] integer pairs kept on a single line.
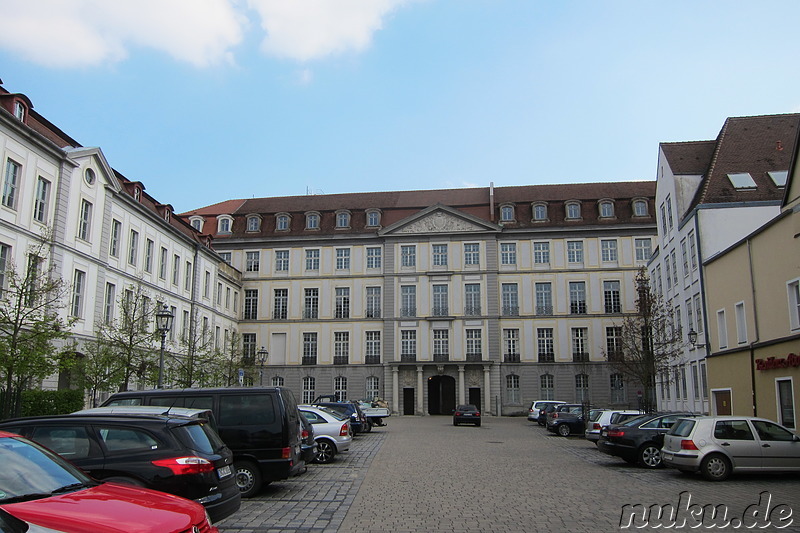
[[467, 413], [567, 422], [44, 490], [261, 426], [375, 412], [716, 446], [308, 443], [536, 412], [172, 453], [359, 423], [554, 411], [605, 417], [331, 430], [639, 439]]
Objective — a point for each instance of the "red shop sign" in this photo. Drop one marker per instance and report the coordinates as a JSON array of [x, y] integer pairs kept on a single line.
[[771, 363]]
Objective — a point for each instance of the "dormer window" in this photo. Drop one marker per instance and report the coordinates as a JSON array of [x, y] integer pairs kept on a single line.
[[373, 218], [312, 220], [282, 222], [224, 224], [573, 210], [19, 111], [253, 223], [506, 213], [137, 193], [606, 209], [540, 212], [196, 222], [742, 180], [166, 215], [89, 176], [779, 177], [640, 208], [342, 219]]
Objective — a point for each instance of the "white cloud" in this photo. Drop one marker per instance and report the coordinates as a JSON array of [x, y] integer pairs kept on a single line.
[[311, 29], [80, 33]]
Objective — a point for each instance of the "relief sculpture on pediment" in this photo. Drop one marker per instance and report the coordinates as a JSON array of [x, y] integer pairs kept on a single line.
[[439, 223]]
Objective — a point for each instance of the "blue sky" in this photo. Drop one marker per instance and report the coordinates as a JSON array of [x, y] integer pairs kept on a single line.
[[206, 101]]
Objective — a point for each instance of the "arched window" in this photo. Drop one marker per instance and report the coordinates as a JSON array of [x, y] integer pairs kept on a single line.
[[573, 210], [373, 387], [253, 223], [606, 209], [197, 223], [312, 220], [373, 218], [546, 387], [342, 219], [282, 222], [224, 225], [309, 389], [277, 381], [640, 208], [507, 213], [540, 212], [512, 389], [340, 388]]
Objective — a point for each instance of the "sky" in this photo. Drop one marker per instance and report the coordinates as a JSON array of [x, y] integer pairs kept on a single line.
[[210, 100]]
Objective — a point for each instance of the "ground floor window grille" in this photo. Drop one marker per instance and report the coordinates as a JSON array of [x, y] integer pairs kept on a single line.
[[546, 388]]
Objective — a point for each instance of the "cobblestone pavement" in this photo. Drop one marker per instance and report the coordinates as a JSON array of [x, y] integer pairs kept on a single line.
[[510, 475]]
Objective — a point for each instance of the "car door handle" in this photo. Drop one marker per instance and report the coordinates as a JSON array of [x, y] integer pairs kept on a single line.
[[766, 446], [725, 444]]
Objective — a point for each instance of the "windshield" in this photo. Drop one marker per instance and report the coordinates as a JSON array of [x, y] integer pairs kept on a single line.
[[335, 414], [29, 470]]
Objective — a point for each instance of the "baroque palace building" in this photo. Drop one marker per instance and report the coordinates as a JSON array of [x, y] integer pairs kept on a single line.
[[492, 296]]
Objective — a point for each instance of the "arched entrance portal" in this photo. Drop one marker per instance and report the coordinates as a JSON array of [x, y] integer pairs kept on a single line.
[[441, 395]]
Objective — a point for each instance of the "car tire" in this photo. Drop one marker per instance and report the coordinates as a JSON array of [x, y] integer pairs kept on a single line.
[[564, 430], [478, 424], [248, 478], [715, 467], [650, 455], [369, 427], [326, 451], [125, 481]]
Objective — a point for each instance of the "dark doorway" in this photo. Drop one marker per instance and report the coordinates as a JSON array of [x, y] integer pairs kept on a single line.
[[722, 402], [475, 397], [408, 401], [441, 395]]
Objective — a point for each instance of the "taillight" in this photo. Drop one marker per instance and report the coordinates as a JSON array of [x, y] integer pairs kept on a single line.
[[344, 431], [555, 415], [458, 413], [286, 453], [616, 433], [186, 465], [688, 444], [304, 434], [596, 426], [477, 413]]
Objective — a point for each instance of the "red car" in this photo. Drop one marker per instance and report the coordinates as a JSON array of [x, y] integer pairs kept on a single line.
[[41, 488]]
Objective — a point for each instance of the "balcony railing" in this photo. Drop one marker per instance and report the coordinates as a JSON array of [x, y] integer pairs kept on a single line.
[[340, 359], [547, 357], [310, 314], [441, 357], [472, 310], [577, 308], [510, 310], [544, 310], [279, 315], [440, 310], [408, 358], [613, 309], [309, 360], [373, 313], [580, 357], [342, 313], [372, 360], [511, 358], [474, 357], [408, 311]]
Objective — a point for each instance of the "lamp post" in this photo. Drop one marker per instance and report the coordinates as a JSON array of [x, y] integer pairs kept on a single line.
[[163, 325], [262, 359], [693, 339]]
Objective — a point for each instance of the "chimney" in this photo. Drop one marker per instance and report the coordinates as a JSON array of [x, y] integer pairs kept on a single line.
[[491, 201]]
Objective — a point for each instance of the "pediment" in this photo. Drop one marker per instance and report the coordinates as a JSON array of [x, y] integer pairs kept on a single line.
[[440, 219]]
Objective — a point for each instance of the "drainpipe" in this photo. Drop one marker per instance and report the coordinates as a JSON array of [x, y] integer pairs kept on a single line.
[[491, 201], [755, 323]]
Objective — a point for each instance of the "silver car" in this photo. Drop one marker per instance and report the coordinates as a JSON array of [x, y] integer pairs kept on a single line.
[[331, 431], [718, 445], [605, 417]]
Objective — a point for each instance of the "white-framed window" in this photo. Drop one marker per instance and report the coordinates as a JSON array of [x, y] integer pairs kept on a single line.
[[508, 253], [669, 212], [408, 344], [374, 255], [373, 387], [580, 344], [278, 381], [695, 382], [281, 260], [473, 344], [408, 255], [78, 289], [280, 304], [685, 258], [511, 345], [692, 250], [133, 248], [722, 329], [249, 346], [544, 345], [614, 342], [577, 297], [644, 249], [187, 280], [312, 220], [343, 259], [85, 220], [793, 293], [162, 263], [342, 219], [472, 299], [785, 400], [342, 303], [10, 184], [311, 303], [640, 208], [197, 224], [472, 254], [176, 269], [547, 387], [252, 262], [441, 345], [741, 323], [340, 388], [698, 314], [19, 111], [110, 303], [510, 299], [206, 284], [41, 201], [540, 212], [617, 388], [408, 300], [663, 220], [541, 253], [309, 388], [440, 300], [439, 252], [312, 259], [512, 389], [606, 209], [149, 249], [581, 387], [373, 307], [372, 349], [116, 232], [282, 223], [506, 213], [608, 250], [373, 218], [226, 256], [611, 297], [543, 293], [224, 225], [573, 210], [575, 252], [253, 223], [250, 304], [674, 268]]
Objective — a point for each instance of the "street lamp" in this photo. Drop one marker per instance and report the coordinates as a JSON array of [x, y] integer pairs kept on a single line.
[[693, 339], [163, 325], [262, 359]]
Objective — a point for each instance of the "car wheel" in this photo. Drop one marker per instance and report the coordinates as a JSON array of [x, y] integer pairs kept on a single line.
[[248, 478], [540, 423], [125, 481], [564, 430], [325, 451], [715, 467], [650, 456], [478, 424], [369, 427]]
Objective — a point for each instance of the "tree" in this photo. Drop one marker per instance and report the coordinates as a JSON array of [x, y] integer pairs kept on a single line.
[[646, 342], [203, 363], [30, 325]]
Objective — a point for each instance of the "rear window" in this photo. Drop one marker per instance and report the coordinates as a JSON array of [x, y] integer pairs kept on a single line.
[[124, 401], [336, 414], [636, 421], [199, 437], [595, 415], [682, 428]]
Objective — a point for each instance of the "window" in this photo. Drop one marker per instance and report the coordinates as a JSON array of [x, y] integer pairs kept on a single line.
[[149, 247], [669, 212], [474, 348], [309, 394], [311, 303], [250, 304], [689, 314], [116, 230], [512, 389], [582, 387], [41, 200], [703, 380], [692, 250], [441, 345], [544, 298], [78, 288], [741, 323], [282, 223], [187, 280], [608, 250], [540, 212], [643, 249], [5, 252], [252, 261], [508, 253], [546, 387], [309, 349], [575, 252], [509, 299], [408, 255], [472, 254], [677, 322], [19, 111], [249, 347], [197, 223], [614, 343], [312, 221], [282, 260], [372, 352], [511, 345], [343, 259], [742, 180], [722, 329], [10, 184], [342, 302], [544, 345], [677, 379], [440, 300], [342, 219], [224, 225], [226, 257], [280, 304], [611, 297], [373, 387], [312, 259], [408, 300], [218, 300], [793, 291], [617, 388], [779, 177], [110, 301], [341, 348], [606, 209], [580, 350], [639, 208], [577, 297], [253, 223], [373, 257], [695, 382], [373, 308], [667, 271], [340, 388], [573, 210], [663, 220], [227, 297], [439, 255], [373, 218], [683, 382], [278, 381], [162, 264], [674, 268], [85, 220], [408, 345], [133, 247], [685, 258], [507, 213], [785, 402], [472, 299], [176, 269], [541, 253]]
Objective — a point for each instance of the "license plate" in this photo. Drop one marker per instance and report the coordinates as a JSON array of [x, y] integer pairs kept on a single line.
[[604, 433], [223, 472], [467, 414], [667, 455]]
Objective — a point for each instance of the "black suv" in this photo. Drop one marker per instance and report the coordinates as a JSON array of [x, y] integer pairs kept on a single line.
[[171, 453], [639, 440], [359, 423]]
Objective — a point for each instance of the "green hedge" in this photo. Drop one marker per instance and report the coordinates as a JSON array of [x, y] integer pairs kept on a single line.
[[51, 402]]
